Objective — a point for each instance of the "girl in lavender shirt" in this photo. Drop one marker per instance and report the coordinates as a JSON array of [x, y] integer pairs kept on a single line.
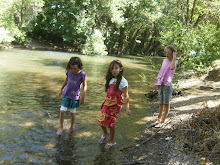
[[164, 83], [75, 77]]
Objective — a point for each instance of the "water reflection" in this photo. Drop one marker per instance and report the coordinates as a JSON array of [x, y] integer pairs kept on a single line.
[[29, 107], [66, 152]]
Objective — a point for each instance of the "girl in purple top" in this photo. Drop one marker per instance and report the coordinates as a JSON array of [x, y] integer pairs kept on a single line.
[[164, 83], [75, 77]]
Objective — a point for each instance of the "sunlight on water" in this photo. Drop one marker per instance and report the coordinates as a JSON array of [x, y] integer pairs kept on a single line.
[[29, 85]]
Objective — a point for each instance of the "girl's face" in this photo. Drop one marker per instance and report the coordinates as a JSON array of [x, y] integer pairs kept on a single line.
[[168, 53], [75, 69], [116, 70]]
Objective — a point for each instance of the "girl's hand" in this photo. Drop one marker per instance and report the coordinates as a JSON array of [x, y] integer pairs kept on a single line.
[[128, 111], [61, 93], [155, 87], [82, 100]]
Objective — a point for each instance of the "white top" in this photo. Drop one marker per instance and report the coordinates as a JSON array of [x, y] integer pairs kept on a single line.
[[123, 83]]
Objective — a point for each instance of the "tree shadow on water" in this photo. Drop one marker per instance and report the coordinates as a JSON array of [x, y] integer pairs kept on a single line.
[[66, 152], [110, 156]]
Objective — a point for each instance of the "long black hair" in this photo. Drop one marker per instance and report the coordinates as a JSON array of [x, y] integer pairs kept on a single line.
[[109, 75], [75, 61]]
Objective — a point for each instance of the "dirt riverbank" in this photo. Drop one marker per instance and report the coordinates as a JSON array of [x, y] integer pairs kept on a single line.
[[166, 145]]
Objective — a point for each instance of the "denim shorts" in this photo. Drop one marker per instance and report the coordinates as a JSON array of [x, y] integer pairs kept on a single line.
[[164, 94]]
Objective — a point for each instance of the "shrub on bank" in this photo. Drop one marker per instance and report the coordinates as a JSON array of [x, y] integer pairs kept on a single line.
[[201, 133]]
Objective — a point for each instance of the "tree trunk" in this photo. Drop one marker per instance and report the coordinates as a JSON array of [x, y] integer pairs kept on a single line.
[[133, 39], [143, 40], [147, 50], [153, 44], [121, 41], [198, 20], [21, 14], [192, 13], [187, 13]]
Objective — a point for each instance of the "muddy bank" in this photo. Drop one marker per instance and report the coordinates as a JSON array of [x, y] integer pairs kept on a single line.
[[173, 143]]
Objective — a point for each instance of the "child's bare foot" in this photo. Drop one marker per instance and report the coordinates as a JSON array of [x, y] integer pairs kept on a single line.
[[155, 123], [103, 137], [159, 125], [163, 121], [110, 145], [59, 132]]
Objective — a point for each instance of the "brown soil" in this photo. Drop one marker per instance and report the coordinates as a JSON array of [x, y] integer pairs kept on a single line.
[[167, 145]]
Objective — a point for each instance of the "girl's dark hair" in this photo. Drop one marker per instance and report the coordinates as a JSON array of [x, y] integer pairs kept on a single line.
[[172, 48], [74, 61], [109, 75]]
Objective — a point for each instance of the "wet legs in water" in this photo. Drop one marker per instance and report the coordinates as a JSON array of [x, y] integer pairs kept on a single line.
[[73, 116], [60, 130]]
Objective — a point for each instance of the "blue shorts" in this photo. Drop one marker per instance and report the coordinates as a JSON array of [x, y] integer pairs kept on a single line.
[[165, 93], [69, 103]]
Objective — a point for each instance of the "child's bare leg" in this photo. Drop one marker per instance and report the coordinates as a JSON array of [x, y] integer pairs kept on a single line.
[[73, 116], [161, 107], [167, 109], [62, 113], [60, 130], [112, 136], [105, 131], [105, 134]]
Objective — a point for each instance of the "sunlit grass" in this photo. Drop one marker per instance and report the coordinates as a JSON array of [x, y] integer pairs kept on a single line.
[[27, 124]]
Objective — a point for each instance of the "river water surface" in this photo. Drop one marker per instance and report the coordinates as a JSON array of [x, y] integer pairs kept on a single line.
[[29, 108]]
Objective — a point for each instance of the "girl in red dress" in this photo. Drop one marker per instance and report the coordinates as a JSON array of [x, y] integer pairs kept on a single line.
[[116, 85]]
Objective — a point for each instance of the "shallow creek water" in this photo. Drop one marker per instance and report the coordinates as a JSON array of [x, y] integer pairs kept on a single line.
[[29, 108]]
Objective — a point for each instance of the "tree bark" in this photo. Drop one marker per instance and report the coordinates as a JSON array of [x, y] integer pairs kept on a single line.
[[198, 20], [153, 44], [133, 39], [143, 40], [21, 14], [187, 13], [121, 41], [192, 13]]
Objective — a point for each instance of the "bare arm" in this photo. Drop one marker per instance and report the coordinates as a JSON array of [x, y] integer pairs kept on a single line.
[[174, 62], [84, 92], [126, 97], [63, 86]]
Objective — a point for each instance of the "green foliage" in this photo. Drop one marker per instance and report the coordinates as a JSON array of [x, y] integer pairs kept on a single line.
[[199, 47], [20, 37], [16, 16], [196, 37], [142, 76], [95, 44], [127, 26], [155, 64], [66, 22]]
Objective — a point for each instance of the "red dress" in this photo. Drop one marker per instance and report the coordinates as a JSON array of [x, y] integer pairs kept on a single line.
[[110, 108]]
